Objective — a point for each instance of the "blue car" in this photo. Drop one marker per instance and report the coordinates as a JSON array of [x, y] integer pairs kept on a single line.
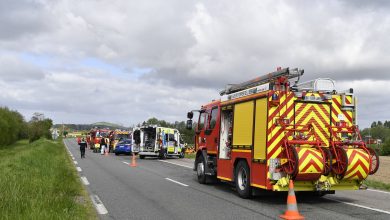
[[123, 147]]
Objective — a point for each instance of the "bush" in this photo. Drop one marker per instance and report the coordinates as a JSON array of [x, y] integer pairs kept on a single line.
[[386, 148], [12, 126], [39, 127]]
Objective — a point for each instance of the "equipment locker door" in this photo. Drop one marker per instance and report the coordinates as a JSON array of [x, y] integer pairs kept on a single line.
[[317, 114]]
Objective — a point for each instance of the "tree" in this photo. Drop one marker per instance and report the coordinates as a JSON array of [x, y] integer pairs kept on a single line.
[[386, 148], [12, 126], [39, 126]]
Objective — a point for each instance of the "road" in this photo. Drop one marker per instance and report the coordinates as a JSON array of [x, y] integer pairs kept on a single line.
[[169, 189]]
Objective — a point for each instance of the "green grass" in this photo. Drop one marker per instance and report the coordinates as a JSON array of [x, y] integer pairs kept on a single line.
[[38, 181], [377, 185], [190, 156]]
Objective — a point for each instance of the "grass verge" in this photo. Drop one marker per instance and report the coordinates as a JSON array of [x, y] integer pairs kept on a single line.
[[190, 156], [38, 181], [377, 185]]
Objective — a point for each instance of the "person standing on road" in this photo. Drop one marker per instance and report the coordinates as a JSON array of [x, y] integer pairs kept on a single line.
[[83, 145], [102, 145]]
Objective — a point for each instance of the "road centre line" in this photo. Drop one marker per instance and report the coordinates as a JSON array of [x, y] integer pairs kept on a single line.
[[177, 182], [360, 206], [100, 208], [380, 191], [175, 164], [125, 162], [85, 180], [79, 169]]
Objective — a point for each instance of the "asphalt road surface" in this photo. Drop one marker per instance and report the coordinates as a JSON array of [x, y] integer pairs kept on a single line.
[[169, 189]]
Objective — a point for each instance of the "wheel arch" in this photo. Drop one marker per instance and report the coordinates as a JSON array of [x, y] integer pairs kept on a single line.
[[238, 159]]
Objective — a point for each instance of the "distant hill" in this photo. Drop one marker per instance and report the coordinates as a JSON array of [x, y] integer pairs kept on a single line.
[[103, 124], [89, 126]]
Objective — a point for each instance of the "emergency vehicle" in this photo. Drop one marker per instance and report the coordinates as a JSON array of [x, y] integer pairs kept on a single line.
[[95, 137], [117, 135], [266, 131], [159, 142]]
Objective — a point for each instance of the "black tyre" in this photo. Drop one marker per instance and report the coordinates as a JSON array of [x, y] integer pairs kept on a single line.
[[242, 180], [142, 157], [163, 155], [116, 154], [182, 154], [200, 169]]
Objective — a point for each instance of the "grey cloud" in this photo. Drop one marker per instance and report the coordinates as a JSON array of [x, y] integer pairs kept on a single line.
[[22, 18], [14, 69], [192, 48]]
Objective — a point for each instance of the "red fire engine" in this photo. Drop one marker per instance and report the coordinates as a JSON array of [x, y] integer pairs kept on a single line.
[[94, 137], [264, 132]]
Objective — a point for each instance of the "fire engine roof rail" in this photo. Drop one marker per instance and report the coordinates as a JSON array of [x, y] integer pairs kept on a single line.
[[286, 72]]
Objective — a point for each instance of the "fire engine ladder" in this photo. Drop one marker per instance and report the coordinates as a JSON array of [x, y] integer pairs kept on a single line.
[[299, 135], [339, 144], [271, 77]]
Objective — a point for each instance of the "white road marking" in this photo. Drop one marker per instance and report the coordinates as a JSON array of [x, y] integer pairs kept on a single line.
[[380, 191], [79, 169], [125, 162], [85, 180], [361, 206], [101, 209], [176, 182], [75, 162], [175, 164]]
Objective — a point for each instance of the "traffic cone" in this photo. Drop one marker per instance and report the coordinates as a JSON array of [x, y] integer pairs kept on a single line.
[[292, 208], [133, 162]]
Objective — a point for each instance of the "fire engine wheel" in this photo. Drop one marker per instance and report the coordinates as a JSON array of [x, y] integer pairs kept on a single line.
[[374, 161], [242, 180], [339, 167], [200, 169], [291, 166], [327, 160]]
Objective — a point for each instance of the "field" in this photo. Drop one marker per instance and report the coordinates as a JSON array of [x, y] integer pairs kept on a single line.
[[38, 181], [383, 174]]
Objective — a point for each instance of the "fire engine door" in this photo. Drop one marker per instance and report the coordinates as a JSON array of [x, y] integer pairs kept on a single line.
[[200, 136], [316, 114], [211, 132]]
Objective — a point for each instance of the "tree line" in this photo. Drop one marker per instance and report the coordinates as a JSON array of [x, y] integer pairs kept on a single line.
[[13, 127], [379, 130]]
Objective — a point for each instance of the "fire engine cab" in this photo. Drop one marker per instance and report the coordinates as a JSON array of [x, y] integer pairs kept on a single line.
[[266, 131]]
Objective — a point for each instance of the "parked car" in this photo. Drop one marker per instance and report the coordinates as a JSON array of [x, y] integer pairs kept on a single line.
[[125, 147]]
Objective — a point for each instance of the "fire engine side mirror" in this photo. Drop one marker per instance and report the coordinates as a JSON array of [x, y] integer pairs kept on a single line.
[[189, 124], [190, 115]]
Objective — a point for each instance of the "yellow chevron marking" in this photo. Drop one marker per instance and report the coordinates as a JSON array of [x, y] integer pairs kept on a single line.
[[301, 113], [311, 169], [309, 157], [353, 173], [313, 116]]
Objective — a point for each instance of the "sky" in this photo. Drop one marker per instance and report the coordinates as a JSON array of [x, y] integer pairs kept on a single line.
[[125, 61]]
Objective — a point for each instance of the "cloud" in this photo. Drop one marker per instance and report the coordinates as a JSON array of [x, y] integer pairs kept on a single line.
[[13, 68], [165, 57]]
